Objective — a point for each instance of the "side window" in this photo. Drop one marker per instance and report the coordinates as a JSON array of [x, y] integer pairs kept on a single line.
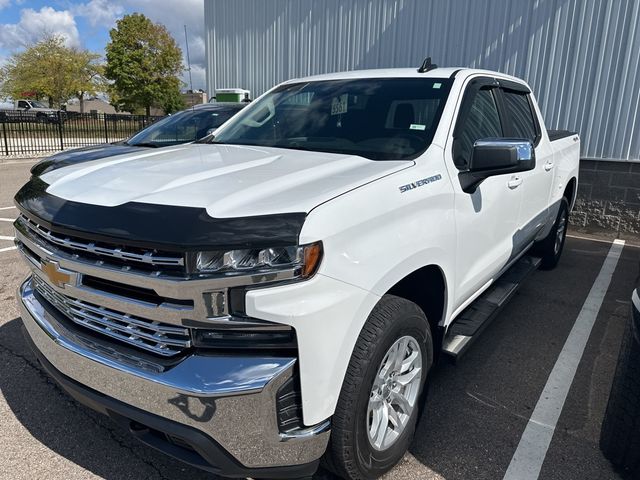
[[22, 104], [522, 120], [483, 121]]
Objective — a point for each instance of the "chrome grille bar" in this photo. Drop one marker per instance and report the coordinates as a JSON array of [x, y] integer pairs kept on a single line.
[[148, 257], [152, 336]]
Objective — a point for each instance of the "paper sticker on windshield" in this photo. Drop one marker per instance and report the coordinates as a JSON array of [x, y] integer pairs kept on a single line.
[[437, 85], [339, 104], [417, 126]]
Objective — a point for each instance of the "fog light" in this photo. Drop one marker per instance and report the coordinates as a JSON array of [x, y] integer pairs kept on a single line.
[[216, 303], [228, 338]]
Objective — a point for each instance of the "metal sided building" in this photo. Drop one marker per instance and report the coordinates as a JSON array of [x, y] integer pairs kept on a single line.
[[581, 57]]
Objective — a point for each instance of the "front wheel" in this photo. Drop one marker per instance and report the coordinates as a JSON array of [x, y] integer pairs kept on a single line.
[[378, 406]]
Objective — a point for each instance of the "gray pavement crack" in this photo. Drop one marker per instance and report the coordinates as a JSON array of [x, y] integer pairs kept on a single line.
[[113, 434]]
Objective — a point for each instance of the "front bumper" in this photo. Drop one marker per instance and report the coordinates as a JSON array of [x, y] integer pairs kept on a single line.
[[227, 402]]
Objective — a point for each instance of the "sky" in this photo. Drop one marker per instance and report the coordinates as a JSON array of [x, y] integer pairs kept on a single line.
[[86, 24]]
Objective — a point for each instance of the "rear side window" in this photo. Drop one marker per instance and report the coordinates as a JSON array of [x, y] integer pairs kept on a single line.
[[522, 120], [483, 121]]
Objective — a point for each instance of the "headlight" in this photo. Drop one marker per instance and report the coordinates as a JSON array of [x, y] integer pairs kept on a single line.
[[304, 259]]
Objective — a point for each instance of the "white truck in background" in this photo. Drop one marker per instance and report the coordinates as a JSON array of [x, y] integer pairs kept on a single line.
[[256, 301], [31, 111]]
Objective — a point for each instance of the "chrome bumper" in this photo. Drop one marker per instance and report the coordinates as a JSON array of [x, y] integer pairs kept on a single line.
[[229, 398]]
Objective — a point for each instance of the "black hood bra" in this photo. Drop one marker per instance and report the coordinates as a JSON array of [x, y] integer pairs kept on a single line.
[[162, 227]]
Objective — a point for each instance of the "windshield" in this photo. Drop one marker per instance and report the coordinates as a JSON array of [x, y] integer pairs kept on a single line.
[[183, 127], [35, 104], [380, 118]]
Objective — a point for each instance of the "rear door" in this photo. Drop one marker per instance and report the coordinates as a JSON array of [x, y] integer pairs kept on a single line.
[[486, 220], [522, 122]]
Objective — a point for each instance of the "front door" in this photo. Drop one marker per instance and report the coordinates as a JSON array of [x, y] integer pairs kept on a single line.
[[486, 220]]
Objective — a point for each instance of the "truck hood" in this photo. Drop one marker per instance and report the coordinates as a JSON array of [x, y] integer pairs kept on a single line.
[[78, 155], [226, 180]]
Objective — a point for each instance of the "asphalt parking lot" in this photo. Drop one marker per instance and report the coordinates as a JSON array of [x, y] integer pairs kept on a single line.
[[476, 411]]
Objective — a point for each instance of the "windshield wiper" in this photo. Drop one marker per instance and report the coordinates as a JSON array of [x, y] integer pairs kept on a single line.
[[143, 144]]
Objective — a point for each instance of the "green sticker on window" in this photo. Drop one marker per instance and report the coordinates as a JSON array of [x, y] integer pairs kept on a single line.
[[437, 85], [417, 126]]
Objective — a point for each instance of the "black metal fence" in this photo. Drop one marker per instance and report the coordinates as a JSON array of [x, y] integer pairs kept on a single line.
[[27, 132]]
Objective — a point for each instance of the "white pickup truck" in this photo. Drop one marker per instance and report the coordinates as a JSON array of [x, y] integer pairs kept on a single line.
[[257, 301], [31, 111]]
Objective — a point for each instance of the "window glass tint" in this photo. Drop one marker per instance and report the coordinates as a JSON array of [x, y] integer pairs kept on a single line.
[[483, 121], [182, 127], [379, 119], [416, 111], [522, 121]]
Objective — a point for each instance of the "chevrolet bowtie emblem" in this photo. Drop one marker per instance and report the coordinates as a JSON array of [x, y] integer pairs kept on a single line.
[[57, 276]]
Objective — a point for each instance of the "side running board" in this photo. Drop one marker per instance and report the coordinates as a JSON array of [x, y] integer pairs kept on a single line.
[[476, 317]]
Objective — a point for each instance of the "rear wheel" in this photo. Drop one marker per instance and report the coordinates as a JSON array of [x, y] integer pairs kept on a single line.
[[378, 406], [551, 247]]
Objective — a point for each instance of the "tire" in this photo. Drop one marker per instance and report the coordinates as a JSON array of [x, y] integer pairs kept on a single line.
[[351, 453], [550, 249], [620, 435]]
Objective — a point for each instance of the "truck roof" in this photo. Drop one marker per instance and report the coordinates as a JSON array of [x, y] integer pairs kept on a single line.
[[444, 72]]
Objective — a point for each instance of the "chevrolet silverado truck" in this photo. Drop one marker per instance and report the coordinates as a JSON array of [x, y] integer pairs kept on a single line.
[[277, 294]]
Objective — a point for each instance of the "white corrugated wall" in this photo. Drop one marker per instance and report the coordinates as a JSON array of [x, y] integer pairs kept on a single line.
[[581, 57]]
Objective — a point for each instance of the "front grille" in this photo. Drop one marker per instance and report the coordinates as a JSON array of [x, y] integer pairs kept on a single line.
[[113, 253], [159, 338]]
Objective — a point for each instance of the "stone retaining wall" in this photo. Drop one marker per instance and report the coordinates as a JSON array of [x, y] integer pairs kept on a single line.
[[608, 199]]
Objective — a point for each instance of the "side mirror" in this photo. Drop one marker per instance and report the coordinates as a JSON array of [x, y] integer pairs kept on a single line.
[[497, 156]]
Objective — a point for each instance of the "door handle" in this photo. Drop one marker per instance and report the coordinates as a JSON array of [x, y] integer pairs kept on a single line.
[[548, 166], [515, 182]]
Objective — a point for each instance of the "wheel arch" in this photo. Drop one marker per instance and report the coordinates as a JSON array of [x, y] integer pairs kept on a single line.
[[570, 192], [427, 288]]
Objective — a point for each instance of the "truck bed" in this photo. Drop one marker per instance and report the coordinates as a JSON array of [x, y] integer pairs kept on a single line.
[[558, 134]]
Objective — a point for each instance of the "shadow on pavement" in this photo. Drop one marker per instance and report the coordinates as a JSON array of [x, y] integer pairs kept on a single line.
[[80, 435]]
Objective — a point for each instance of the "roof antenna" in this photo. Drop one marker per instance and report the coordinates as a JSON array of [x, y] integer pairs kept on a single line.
[[427, 66]]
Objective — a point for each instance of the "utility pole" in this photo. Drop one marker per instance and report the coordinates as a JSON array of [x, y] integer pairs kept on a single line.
[[186, 39]]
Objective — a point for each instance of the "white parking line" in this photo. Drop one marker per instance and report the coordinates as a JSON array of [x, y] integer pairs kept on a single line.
[[6, 208], [7, 219], [4, 237], [7, 249], [534, 443]]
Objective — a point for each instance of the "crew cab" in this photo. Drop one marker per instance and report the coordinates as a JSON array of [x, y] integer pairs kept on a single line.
[[274, 295]]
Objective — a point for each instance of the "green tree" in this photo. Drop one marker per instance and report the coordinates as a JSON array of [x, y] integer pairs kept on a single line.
[[87, 78], [143, 62], [50, 70]]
